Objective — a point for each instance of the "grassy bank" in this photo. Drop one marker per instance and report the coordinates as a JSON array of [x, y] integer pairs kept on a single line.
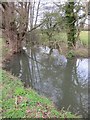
[[20, 102]]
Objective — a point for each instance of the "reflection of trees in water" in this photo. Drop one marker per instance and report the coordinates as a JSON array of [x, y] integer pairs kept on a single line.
[[74, 93], [81, 84], [69, 97], [61, 83], [30, 69], [51, 71], [25, 67], [68, 85], [34, 68], [26, 71]]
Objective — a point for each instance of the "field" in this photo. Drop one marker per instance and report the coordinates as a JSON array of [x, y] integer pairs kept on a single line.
[[63, 37], [84, 37]]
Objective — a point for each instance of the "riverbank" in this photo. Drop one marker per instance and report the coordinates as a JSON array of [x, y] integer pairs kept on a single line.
[[60, 39], [81, 50], [20, 102]]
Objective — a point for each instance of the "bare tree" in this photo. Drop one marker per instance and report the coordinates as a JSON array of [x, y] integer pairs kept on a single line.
[[15, 23]]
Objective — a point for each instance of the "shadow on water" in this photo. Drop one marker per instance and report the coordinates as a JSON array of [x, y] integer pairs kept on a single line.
[[63, 80]]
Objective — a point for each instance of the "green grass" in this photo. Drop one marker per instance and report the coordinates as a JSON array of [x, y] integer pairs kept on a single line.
[[84, 37], [63, 37], [60, 37], [56, 36], [19, 102]]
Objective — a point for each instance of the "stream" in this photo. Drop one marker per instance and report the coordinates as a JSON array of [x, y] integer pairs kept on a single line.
[[64, 81]]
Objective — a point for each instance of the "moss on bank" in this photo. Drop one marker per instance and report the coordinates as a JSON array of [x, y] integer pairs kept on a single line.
[[20, 102]]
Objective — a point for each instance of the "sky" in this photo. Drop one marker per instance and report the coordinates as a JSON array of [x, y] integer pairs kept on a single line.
[[42, 0], [49, 3]]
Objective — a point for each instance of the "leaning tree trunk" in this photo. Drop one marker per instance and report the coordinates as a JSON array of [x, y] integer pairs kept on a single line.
[[15, 21], [12, 36], [15, 43]]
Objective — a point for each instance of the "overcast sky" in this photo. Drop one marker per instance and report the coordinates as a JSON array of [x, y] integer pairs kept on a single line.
[[42, 0], [49, 2]]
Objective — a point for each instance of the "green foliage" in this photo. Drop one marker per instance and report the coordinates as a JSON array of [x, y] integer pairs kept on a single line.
[[62, 36], [19, 91], [29, 104], [73, 20], [67, 18], [52, 23], [70, 54], [14, 113]]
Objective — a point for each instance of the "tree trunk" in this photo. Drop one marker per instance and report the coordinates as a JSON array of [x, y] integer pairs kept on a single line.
[[15, 21], [70, 22]]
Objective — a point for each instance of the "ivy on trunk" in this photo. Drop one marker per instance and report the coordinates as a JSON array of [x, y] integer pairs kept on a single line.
[[70, 23]]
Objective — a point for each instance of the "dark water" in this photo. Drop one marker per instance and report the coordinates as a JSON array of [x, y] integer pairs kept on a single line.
[[63, 80]]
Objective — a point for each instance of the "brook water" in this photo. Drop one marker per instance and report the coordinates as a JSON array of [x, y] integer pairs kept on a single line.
[[62, 80]]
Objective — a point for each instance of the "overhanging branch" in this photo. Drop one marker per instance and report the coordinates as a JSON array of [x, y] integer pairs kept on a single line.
[[36, 27]]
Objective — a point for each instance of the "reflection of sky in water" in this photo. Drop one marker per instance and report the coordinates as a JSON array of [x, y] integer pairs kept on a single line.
[[55, 77], [82, 68], [44, 49]]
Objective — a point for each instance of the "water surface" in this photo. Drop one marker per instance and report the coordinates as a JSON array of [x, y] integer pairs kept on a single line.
[[64, 81]]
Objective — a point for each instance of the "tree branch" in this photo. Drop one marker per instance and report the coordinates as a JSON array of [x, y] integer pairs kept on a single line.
[[36, 27]]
